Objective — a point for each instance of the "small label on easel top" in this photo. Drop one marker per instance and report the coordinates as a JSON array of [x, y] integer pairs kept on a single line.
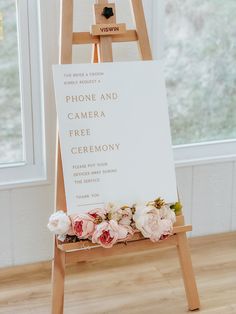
[[108, 29]]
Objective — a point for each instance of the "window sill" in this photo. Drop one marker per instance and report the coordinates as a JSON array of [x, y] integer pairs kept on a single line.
[[22, 175], [205, 153], [25, 184]]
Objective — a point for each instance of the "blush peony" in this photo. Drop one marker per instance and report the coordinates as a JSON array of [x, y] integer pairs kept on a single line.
[[99, 214], [83, 225], [108, 233]]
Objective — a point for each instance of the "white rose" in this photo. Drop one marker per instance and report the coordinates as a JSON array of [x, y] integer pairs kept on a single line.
[[141, 209], [166, 227], [114, 211], [59, 223], [126, 216], [151, 222], [125, 221], [148, 224], [167, 213]]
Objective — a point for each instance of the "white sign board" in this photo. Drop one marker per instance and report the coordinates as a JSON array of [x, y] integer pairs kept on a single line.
[[114, 133]]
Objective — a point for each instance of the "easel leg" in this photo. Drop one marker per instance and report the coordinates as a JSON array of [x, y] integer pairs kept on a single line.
[[187, 271], [58, 277], [95, 54]]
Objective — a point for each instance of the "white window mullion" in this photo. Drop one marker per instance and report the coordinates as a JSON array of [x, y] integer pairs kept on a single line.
[[25, 80], [36, 81]]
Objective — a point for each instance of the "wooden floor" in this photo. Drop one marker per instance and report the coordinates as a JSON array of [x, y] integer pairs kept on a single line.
[[139, 283]]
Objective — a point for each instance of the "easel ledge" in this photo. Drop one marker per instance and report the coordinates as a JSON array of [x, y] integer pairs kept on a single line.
[[88, 245], [85, 251]]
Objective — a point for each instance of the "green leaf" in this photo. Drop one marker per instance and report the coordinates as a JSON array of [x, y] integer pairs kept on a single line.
[[177, 208]]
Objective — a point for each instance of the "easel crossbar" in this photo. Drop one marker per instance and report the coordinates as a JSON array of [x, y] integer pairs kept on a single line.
[[83, 38], [119, 249], [88, 245]]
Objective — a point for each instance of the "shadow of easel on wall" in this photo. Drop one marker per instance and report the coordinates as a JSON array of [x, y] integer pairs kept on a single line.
[[105, 32]]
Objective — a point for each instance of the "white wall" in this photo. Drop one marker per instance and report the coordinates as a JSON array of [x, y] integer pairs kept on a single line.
[[207, 191]]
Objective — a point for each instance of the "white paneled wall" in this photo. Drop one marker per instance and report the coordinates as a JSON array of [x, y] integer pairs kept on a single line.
[[184, 177], [208, 195], [24, 237], [5, 229], [212, 198], [207, 191], [31, 207]]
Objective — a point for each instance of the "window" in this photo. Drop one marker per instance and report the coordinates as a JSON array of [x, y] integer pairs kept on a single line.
[[21, 114], [11, 144], [200, 52]]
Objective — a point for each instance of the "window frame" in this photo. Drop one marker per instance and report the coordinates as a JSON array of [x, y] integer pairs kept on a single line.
[[33, 169], [197, 153]]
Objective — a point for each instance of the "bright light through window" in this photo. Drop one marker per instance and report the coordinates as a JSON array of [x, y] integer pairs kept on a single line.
[[200, 69], [11, 147]]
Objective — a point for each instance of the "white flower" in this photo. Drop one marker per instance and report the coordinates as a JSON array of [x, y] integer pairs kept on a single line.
[[114, 211], [141, 209], [125, 221], [59, 223], [166, 226], [167, 213], [127, 215], [153, 223], [111, 207]]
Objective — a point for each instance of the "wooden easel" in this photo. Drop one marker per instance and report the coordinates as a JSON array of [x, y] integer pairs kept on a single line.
[[65, 254]]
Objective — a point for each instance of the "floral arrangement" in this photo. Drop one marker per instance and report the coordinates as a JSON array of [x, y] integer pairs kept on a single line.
[[113, 223]]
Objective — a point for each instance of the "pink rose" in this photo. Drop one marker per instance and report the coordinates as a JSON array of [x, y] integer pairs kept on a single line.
[[83, 225], [97, 213], [108, 233]]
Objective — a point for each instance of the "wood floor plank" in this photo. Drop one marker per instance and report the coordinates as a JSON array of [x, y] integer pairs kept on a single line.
[[148, 282]]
